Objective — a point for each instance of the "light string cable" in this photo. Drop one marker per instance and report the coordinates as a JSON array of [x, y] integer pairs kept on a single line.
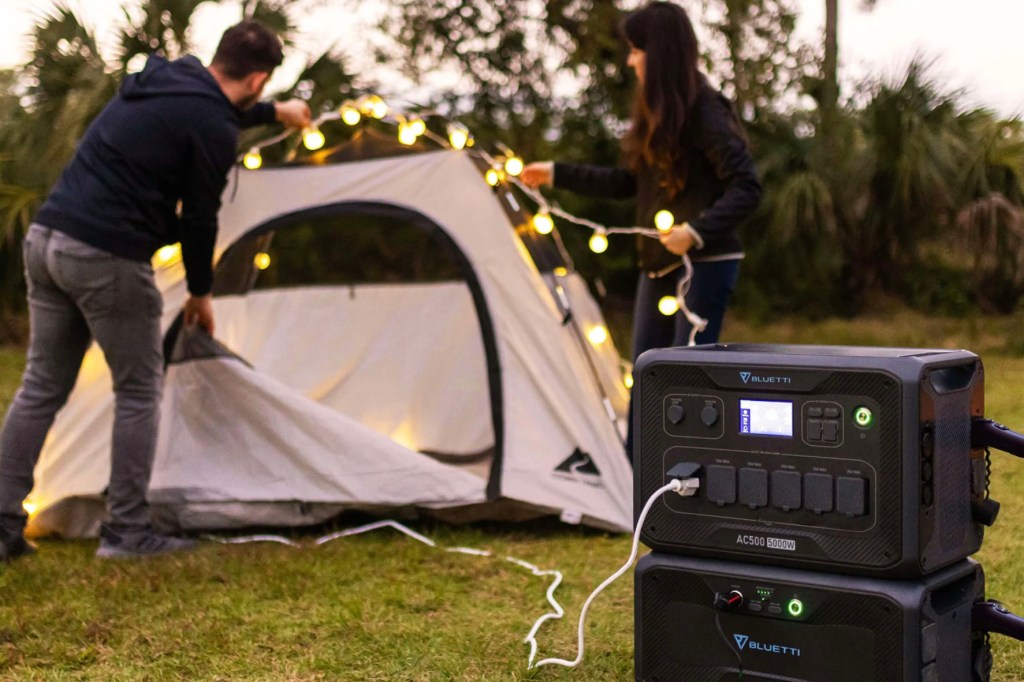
[[697, 323], [557, 577], [557, 611], [411, 126]]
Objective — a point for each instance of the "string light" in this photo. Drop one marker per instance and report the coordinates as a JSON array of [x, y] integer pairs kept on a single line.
[[514, 165], [668, 305], [509, 165], [253, 159], [560, 271], [664, 220], [597, 335], [417, 125], [350, 114], [167, 254], [30, 507], [406, 134], [543, 223], [261, 261], [375, 107], [627, 379], [312, 138], [458, 136], [493, 177]]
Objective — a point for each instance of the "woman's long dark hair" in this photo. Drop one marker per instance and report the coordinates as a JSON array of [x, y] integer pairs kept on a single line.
[[664, 103]]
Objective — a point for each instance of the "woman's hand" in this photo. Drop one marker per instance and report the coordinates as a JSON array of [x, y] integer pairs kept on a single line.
[[538, 173], [678, 240]]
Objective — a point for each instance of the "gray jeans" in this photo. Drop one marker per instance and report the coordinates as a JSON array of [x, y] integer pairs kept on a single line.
[[77, 293]]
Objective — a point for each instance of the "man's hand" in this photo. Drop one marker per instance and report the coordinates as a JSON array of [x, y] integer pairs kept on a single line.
[[678, 240], [199, 310], [538, 173], [294, 113]]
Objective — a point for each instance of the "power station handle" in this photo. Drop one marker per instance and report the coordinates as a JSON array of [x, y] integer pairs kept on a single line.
[[986, 433], [991, 616]]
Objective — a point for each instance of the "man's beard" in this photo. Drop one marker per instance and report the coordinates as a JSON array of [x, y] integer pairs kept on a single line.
[[248, 101]]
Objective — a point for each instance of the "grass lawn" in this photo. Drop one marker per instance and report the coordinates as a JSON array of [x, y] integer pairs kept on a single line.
[[383, 607]]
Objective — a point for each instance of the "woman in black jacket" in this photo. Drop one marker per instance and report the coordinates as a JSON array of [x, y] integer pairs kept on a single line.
[[685, 152]]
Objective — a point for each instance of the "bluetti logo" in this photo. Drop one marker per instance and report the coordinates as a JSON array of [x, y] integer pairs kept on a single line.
[[746, 377], [751, 378], [744, 642]]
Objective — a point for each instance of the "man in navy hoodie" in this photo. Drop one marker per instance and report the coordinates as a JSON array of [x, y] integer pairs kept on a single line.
[[149, 172]]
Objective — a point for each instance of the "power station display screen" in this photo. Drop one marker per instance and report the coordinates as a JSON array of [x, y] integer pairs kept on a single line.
[[766, 418]]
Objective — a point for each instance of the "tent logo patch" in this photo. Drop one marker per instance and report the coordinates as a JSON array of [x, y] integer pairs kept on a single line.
[[579, 467]]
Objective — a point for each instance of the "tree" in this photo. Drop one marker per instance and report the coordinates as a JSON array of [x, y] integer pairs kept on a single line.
[[751, 51], [991, 209], [47, 106]]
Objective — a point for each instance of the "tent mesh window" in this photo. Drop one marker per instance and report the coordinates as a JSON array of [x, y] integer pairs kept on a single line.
[[336, 250]]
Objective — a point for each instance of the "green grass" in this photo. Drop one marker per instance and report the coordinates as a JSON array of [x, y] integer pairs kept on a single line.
[[383, 607]]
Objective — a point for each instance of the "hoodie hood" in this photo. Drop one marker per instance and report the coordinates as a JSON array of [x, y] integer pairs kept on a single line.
[[161, 78]]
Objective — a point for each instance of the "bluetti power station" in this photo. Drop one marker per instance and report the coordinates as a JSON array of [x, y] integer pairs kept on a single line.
[[852, 459], [840, 493], [798, 625]]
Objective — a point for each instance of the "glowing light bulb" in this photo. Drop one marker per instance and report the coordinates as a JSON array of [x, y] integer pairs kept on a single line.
[[261, 261], [253, 159], [167, 254], [627, 379], [513, 165], [493, 177], [458, 136], [599, 242], [597, 335], [406, 134], [313, 139], [543, 223], [417, 125], [560, 271], [376, 107], [668, 305], [349, 114], [664, 220], [29, 507]]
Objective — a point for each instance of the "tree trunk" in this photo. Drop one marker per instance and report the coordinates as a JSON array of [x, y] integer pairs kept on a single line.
[[830, 67]]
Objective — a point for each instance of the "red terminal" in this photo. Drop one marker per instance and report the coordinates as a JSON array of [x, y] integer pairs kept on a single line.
[[730, 601]]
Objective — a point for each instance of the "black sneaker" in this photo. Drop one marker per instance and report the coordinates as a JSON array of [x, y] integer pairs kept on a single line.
[[15, 548], [141, 543]]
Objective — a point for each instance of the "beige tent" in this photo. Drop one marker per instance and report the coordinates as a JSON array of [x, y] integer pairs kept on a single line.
[[479, 386]]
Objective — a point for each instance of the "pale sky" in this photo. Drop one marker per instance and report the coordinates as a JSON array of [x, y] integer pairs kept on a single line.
[[978, 44]]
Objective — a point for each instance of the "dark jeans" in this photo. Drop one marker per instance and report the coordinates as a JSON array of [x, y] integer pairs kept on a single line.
[[77, 293], [708, 296]]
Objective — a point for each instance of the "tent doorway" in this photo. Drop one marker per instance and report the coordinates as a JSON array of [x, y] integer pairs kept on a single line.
[[373, 310]]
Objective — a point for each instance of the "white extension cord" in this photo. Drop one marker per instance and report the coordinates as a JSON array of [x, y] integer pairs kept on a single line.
[[683, 487]]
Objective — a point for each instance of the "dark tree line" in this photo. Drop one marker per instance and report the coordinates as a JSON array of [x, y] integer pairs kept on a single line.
[[900, 191]]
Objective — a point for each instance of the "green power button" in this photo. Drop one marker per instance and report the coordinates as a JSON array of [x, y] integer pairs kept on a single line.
[[795, 607], [864, 417]]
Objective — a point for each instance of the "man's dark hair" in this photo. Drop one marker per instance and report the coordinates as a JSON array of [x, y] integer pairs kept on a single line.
[[247, 48]]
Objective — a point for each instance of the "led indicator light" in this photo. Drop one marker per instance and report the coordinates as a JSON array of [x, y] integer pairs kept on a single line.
[[795, 607], [863, 416]]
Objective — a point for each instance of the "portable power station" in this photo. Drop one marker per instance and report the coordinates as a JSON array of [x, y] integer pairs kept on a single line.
[[706, 620], [851, 460]]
